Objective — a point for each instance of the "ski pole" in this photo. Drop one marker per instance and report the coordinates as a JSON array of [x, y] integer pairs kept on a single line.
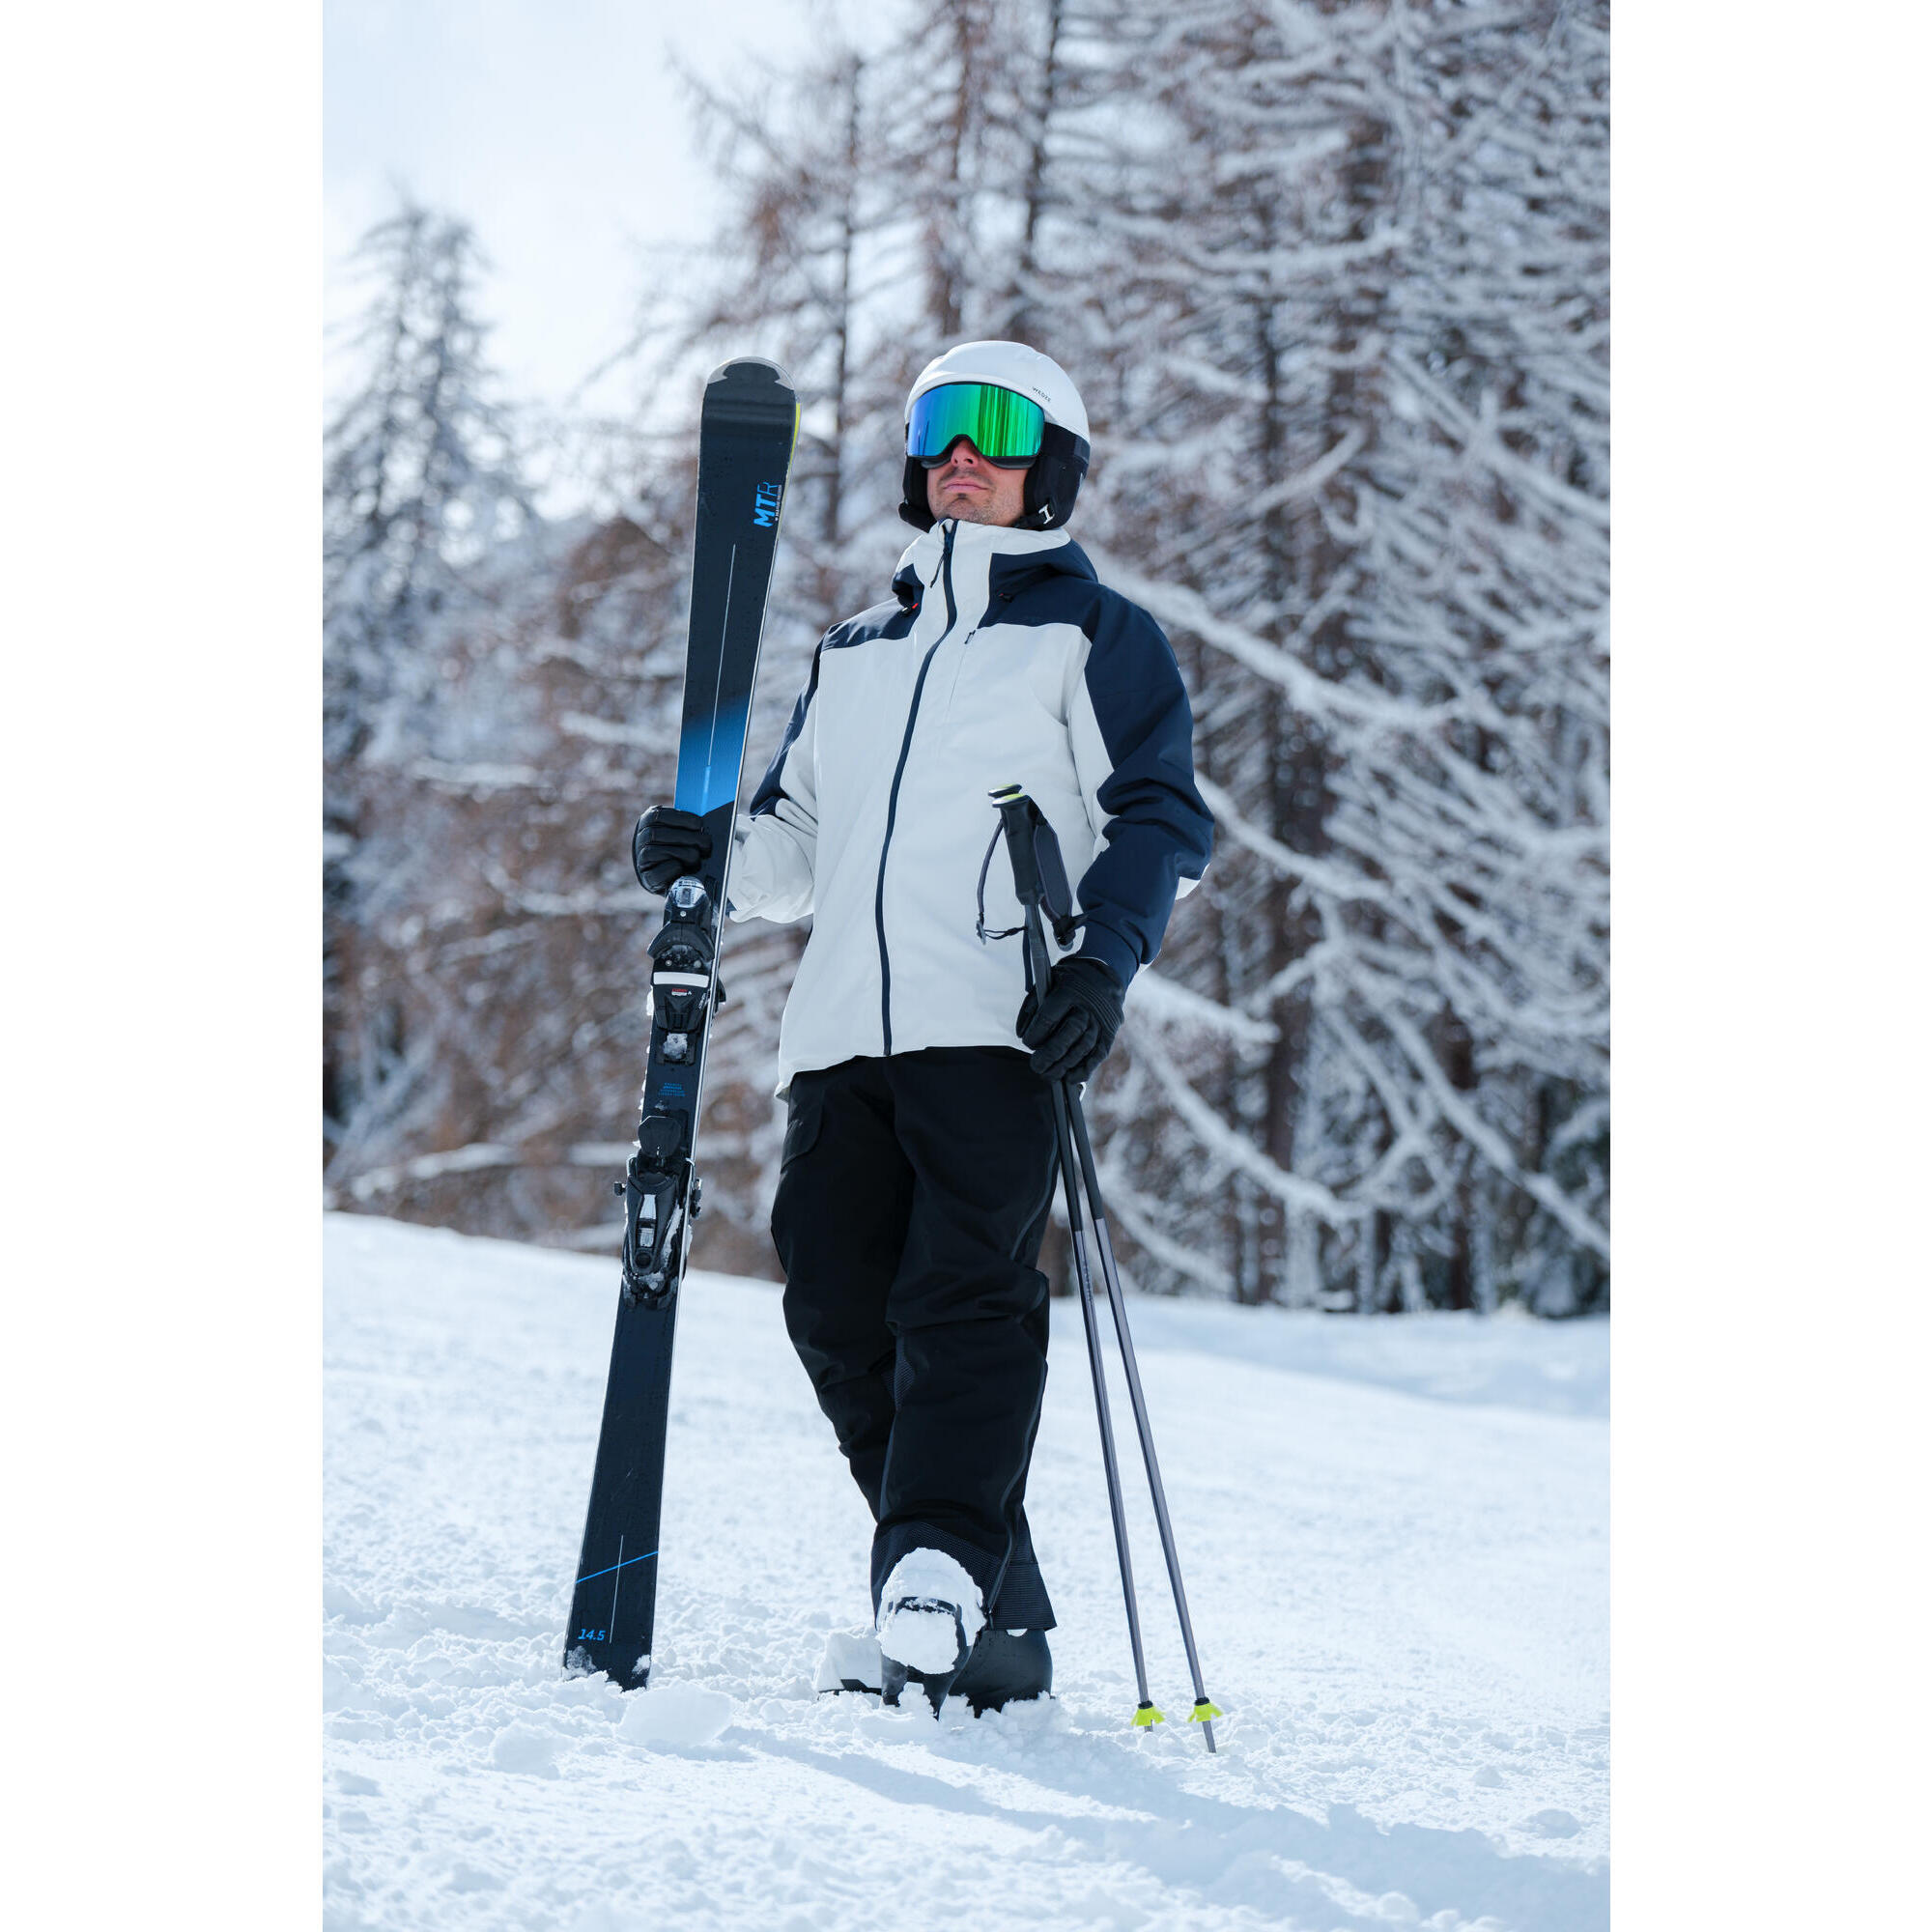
[[1204, 1711], [1020, 820], [1146, 1713], [1040, 883]]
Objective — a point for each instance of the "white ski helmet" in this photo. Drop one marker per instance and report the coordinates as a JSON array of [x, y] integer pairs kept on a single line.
[[1054, 479]]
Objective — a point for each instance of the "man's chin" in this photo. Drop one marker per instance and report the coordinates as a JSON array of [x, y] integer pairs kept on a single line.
[[970, 512]]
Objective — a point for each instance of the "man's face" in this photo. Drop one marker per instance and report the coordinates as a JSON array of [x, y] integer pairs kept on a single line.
[[968, 487]]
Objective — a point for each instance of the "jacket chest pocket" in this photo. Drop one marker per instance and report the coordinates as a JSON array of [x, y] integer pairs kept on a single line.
[[960, 658]]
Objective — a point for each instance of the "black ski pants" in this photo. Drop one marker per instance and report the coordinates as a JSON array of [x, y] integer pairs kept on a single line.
[[911, 1205]]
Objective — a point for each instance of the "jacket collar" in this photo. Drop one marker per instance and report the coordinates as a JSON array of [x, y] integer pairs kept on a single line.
[[975, 549]]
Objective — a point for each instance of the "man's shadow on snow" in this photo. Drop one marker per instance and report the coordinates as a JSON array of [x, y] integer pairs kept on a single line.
[[1226, 1852]]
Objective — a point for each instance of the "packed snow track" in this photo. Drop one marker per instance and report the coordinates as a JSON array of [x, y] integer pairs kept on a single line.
[[1395, 1537]]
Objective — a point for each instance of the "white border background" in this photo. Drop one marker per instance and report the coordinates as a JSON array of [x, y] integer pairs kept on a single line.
[[162, 841], [1771, 697], [162, 1416]]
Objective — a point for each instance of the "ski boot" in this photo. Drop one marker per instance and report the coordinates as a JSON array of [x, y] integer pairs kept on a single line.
[[929, 1617], [1006, 1667]]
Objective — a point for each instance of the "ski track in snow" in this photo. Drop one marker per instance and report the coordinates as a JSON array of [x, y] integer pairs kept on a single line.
[[1402, 1602]]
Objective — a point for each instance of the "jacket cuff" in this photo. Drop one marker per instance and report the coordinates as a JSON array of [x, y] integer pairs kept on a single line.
[[1110, 949]]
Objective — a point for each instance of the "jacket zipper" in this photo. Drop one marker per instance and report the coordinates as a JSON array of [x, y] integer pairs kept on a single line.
[[892, 801]]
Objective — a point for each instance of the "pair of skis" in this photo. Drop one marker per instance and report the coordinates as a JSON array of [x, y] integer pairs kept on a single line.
[[746, 436]]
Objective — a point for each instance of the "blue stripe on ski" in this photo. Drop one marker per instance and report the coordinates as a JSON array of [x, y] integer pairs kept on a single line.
[[625, 1565], [709, 758]]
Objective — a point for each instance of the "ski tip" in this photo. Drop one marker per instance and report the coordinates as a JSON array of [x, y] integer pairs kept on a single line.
[[752, 371], [1148, 1714]]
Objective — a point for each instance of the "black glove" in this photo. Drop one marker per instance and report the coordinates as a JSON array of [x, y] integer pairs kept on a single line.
[[667, 844], [1072, 1030]]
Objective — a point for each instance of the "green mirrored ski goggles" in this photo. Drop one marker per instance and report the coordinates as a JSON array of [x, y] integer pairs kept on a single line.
[[1005, 428]]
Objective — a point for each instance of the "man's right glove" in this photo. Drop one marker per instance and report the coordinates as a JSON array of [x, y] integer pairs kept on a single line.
[[667, 844], [1072, 1030]]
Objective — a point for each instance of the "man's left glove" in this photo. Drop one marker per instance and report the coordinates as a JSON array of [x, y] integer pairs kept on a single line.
[[1072, 1030], [666, 845]]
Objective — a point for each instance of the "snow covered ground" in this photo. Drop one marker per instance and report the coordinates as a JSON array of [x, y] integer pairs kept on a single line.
[[1395, 1540]]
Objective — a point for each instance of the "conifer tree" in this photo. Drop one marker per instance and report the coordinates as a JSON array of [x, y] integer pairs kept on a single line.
[[419, 487], [420, 477]]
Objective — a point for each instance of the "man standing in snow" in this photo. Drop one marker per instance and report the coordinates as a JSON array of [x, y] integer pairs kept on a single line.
[[918, 1155]]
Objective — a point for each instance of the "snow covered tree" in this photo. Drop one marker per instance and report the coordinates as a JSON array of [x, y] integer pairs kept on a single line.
[[419, 485], [798, 275], [420, 477], [1354, 257]]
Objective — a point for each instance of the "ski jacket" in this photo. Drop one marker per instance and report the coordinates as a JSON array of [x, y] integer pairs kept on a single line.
[[1002, 661]]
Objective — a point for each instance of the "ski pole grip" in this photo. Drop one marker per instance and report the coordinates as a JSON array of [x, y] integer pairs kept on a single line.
[[1017, 813], [1039, 872]]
